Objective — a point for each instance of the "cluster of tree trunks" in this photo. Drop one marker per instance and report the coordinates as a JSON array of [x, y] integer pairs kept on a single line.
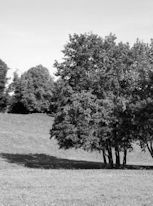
[[109, 154]]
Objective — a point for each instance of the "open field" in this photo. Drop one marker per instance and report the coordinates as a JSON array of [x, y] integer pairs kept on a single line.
[[33, 171], [76, 187]]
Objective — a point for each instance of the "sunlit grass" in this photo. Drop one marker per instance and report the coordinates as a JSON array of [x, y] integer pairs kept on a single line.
[[76, 187]]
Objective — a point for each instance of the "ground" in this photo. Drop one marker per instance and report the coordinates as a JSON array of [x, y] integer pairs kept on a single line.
[[34, 172]]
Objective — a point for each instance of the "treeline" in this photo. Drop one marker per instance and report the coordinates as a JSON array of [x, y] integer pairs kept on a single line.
[[102, 100], [29, 93]]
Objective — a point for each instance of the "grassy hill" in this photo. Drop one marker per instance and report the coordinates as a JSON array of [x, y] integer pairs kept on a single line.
[[29, 134]]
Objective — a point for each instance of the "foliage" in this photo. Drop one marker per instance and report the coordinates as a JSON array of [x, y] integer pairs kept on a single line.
[[95, 73], [143, 95], [3, 80], [32, 91]]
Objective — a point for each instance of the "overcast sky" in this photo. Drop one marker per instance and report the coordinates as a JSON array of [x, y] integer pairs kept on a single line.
[[34, 32]]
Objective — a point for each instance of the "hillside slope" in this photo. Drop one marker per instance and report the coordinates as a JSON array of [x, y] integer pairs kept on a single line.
[[29, 134]]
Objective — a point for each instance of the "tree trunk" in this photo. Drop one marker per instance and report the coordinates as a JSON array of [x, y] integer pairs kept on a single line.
[[150, 148], [117, 154], [110, 156], [124, 157], [104, 157]]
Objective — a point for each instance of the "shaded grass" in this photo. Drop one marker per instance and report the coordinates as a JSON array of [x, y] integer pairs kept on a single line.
[[43, 161]]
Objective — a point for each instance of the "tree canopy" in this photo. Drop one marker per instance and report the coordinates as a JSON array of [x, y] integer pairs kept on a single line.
[[93, 104], [32, 91]]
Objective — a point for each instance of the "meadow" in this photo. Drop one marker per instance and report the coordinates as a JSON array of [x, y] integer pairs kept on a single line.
[[35, 172]]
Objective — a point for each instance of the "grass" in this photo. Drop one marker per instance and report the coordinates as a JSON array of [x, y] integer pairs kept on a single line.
[[34, 172], [76, 187]]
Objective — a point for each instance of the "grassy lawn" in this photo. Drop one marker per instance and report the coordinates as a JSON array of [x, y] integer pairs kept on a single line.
[[76, 187], [33, 171]]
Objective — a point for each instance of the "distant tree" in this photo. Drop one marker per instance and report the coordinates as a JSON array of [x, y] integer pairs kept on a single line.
[[17, 89], [32, 91], [3, 80], [93, 101]]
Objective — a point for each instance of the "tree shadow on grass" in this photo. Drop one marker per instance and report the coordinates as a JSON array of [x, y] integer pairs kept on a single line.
[[44, 161]]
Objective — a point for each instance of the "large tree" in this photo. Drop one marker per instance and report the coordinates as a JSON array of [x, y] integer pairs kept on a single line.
[[3, 80], [32, 91], [142, 104], [94, 97]]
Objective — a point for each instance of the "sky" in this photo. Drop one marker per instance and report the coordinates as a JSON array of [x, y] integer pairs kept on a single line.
[[34, 32]]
